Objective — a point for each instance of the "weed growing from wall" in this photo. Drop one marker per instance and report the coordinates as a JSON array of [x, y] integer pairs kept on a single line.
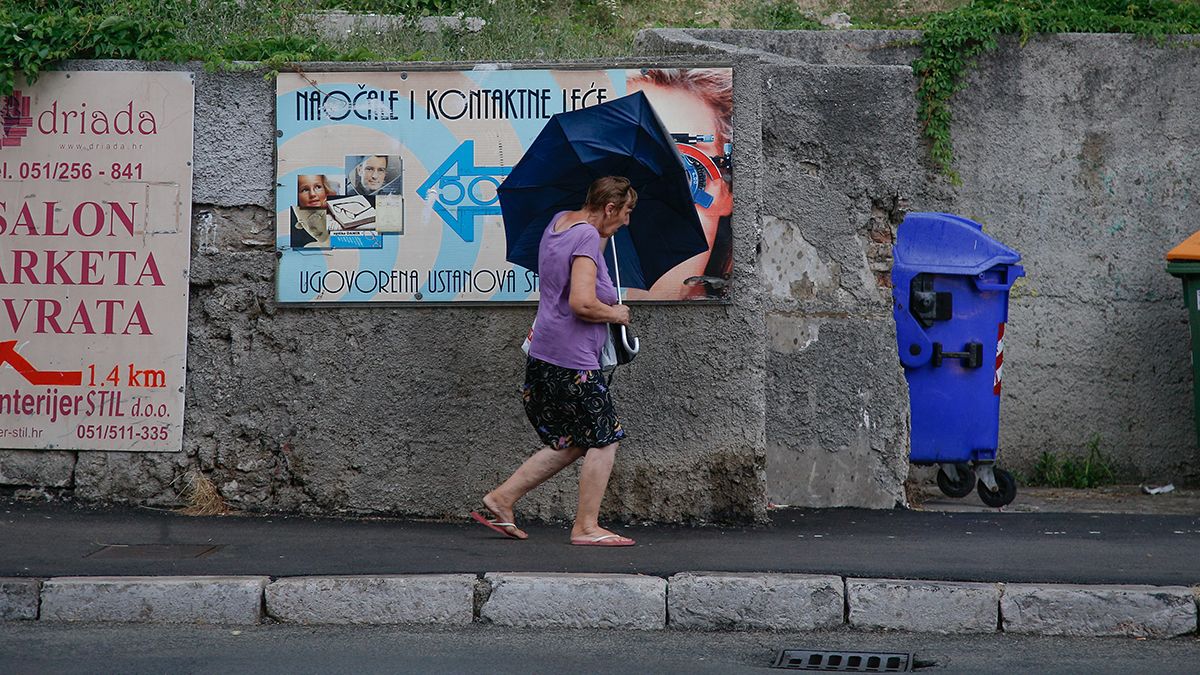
[[1089, 471], [953, 40]]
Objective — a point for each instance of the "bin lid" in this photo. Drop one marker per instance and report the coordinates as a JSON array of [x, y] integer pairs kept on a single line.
[[1189, 249], [942, 243]]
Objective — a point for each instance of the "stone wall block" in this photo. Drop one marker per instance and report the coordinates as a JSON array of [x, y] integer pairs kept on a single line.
[[576, 601], [204, 600], [38, 468], [18, 599], [837, 426], [446, 599], [770, 601], [923, 606], [1098, 611]]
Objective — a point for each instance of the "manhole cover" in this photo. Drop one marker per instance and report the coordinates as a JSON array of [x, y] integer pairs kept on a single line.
[[843, 661], [153, 551]]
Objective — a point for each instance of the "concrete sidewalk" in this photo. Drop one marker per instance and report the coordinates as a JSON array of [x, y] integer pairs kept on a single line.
[[1040, 573]]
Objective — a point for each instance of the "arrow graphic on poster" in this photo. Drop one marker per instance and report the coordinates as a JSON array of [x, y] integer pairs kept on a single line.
[[62, 378], [460, 190]]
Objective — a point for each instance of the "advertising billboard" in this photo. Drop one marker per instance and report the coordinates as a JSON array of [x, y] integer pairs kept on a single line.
[[387, 181], [95, 212]]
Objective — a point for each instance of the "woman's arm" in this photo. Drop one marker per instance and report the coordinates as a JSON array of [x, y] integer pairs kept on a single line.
[[583, 298]]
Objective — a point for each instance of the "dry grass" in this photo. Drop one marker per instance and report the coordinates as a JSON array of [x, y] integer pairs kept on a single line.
[[914, 492], [202, 496]]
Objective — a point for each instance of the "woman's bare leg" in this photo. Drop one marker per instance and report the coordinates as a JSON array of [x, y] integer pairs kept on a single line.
[[593, 481], [533, 472]]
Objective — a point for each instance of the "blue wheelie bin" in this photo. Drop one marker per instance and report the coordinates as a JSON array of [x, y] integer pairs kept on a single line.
[[950, 285]]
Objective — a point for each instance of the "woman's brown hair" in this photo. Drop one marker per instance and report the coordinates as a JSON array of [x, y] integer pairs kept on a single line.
[[610, 190]]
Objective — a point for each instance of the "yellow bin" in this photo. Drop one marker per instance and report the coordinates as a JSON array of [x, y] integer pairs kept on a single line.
[[1183, 261]]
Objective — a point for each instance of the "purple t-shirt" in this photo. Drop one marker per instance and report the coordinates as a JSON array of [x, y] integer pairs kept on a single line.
[[560, 337]]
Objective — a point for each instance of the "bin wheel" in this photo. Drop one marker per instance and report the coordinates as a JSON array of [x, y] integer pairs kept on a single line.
[[1006, 490], [957, 488]]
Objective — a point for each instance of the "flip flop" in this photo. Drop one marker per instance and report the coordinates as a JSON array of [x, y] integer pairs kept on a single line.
[[495, 525], [604, 540]]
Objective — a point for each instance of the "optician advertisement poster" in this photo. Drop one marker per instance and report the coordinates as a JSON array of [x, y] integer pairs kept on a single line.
[[387, 181], [95, 208]]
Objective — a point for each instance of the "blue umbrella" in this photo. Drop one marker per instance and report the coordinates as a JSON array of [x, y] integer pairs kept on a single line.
[[623, 137]]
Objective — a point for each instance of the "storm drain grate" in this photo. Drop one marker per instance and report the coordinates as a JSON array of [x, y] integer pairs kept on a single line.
[[153, 551], [843, 662]]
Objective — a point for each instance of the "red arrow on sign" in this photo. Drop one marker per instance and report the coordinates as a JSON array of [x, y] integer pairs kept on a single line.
[[62, 378]]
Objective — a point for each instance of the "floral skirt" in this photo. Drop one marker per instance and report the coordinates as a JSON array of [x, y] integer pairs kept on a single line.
[[569, 408]]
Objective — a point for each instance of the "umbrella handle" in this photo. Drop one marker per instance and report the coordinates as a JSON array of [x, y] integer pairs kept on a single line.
[[626, 337], [616, 265], [625, 340]]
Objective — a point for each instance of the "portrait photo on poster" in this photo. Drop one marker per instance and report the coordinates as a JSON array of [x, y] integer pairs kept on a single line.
[[309, 219], [314, 190], [370, 175], [696, 106], [309, 228]]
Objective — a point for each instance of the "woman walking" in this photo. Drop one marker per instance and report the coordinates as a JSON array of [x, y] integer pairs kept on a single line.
[[564, 394]]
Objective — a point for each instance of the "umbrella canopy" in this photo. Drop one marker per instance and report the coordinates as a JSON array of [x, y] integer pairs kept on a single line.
[[623, 137]]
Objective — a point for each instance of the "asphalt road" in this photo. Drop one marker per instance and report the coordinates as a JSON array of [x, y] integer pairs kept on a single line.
[[42, 540], [59, 648]]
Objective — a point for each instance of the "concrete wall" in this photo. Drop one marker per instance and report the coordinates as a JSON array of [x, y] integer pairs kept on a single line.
[[434, 419], [1081, 152], [837, 423], [840, 164], [1093, 173], [1077, 150]]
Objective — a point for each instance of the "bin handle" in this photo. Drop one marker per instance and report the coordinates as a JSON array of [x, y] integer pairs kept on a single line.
[[1011, 274], [991, 287], [971, 356], [916, 349]]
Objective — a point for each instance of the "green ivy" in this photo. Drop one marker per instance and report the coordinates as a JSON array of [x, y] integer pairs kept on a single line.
[[33, 38], [953, 40], [35, 35]]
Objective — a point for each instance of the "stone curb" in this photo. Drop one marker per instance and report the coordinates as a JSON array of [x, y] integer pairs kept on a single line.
[[576, 601], [689, 600], [213, 600], [716, 600], [19, 599], [417, 598], [1098, 611], [923, 606]]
